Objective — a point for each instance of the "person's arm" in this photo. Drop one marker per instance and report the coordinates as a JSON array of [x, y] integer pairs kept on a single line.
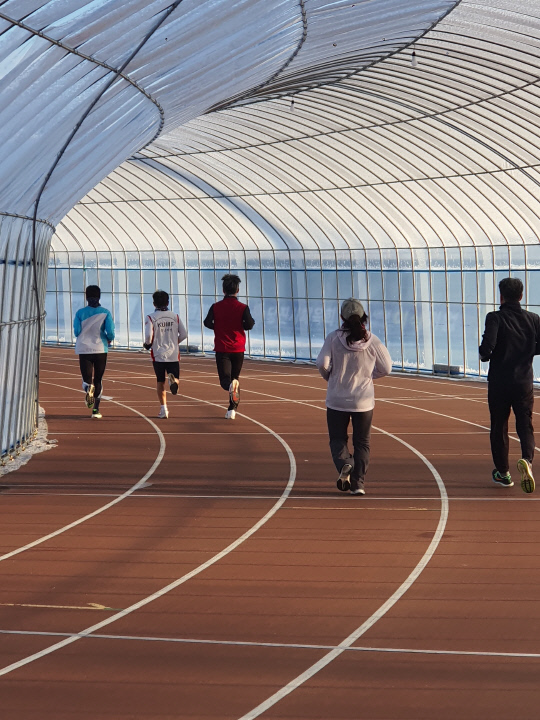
[[182, 333], [77, 325], [324, 359], [489, 339], [209, 319], [247, 321], [383, 362], [537, 350], [109, 328], [148, 333]]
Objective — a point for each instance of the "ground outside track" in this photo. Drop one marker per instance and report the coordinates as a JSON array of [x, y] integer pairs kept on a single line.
[[203, 569]]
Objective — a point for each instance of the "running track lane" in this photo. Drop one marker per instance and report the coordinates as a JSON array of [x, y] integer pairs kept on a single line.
[[373, 666]]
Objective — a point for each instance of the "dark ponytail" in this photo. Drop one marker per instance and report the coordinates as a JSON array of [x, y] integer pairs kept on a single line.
[[356, 327]]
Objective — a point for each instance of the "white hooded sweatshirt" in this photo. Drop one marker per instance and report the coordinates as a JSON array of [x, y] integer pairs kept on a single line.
[[350, 370]]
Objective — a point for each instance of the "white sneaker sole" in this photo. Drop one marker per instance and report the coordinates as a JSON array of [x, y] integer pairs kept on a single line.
[[230, 415], [90, 397], [527, 479]]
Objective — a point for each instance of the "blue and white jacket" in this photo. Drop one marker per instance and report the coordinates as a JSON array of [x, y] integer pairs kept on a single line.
[[94, 330]]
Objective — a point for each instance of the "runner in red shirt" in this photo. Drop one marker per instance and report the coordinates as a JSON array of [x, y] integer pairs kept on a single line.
[[229, 319]]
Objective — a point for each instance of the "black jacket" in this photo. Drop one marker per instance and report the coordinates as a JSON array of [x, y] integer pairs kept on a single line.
[[510, 342]]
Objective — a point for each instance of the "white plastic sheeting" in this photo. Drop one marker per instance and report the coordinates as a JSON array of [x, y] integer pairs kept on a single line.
[[56, 64], [20, 325], [444, 153], [152, 66], [413, 183], [86, 83]]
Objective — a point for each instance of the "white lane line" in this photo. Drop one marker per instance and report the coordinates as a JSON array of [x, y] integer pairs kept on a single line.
[[442, 432], [399, 404], [118, 499], [199, 373], [81, 432], [180, 581], [315, 376], [385, 607], [310, 434], [335, 652], [292, 646], [435, 380], [449, 417], [90, 606], [328, 498], [347, 642]]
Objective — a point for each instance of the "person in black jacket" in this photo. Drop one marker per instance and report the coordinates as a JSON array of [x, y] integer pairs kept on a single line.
[[510, 342]]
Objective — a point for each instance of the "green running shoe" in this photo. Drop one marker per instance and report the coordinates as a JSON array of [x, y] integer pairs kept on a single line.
[[500, 479]]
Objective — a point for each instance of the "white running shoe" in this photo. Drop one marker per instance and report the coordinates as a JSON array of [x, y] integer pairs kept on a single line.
[[230, 414], [173, 383], [163, 413], [96, 415], [234, 392], [89, 395]]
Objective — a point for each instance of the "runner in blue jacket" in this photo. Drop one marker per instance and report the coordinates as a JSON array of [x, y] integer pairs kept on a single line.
[[94, 329]]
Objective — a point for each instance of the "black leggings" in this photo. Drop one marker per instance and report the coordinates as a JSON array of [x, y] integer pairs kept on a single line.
[[338, 424], [229, 366], [92, 370]]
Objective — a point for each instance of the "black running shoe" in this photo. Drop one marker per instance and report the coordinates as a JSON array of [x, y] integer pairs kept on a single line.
[[344, 479], [527, 479], [173, 383], [500, 479]]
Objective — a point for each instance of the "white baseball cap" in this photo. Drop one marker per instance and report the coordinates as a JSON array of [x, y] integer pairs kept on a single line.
[[352, 307]]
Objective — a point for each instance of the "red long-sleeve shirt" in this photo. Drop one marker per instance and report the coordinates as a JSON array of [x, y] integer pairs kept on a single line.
[[229, 319]]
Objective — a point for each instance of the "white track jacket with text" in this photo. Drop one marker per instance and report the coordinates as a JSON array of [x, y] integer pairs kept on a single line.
[[164, 330]]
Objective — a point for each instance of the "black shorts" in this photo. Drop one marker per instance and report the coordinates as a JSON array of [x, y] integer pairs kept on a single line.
[[162, 368]]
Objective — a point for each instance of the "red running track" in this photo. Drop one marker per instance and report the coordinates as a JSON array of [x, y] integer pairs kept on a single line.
[[198, 568]]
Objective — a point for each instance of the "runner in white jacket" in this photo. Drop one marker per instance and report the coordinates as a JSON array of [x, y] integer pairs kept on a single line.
[[163, 331], [350, 359]]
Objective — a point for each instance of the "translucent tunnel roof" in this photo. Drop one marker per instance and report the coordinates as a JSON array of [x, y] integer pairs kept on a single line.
[[86, 83], [341, 150]]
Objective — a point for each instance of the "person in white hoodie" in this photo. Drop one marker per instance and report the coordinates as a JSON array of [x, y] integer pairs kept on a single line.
[[163, 331], [350, 359]]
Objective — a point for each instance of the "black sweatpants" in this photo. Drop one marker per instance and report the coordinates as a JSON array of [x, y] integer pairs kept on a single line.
[[229, 366], [501, 399], [338, 424], [92, 370]]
